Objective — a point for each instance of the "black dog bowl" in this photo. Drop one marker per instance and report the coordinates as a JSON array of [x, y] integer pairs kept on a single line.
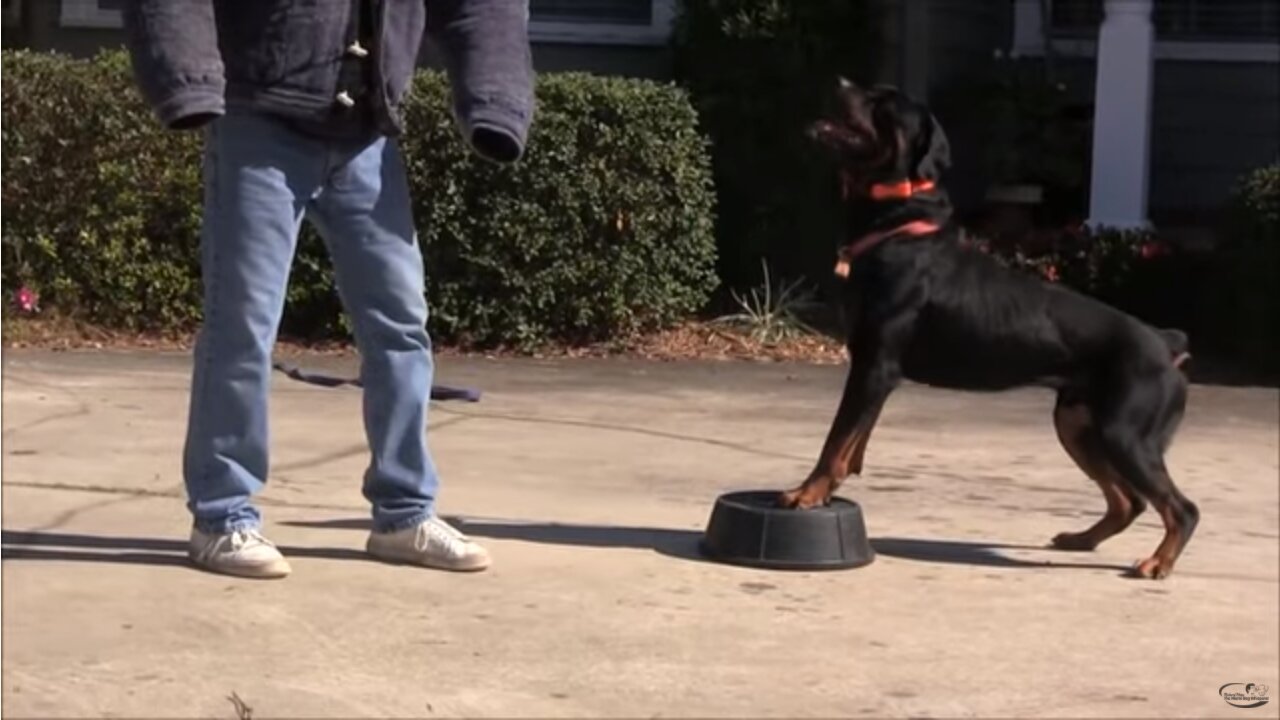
[[747, 528]]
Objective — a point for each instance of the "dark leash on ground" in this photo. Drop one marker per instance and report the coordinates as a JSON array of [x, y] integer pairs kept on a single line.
[[438, 392]]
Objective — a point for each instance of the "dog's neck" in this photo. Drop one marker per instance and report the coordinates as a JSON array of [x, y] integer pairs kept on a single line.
[[886, 210], [881, 206]]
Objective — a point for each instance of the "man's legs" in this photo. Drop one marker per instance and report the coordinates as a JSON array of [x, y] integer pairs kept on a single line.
[[364, 214], [259, 176]]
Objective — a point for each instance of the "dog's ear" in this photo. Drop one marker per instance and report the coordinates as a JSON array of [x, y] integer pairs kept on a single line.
[[932, 151]]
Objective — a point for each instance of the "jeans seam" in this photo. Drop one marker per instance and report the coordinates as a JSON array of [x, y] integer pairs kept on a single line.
[[211, 211]]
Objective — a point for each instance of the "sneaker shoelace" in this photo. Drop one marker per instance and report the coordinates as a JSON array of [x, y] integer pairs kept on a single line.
[[237, 540], [454, 542], [241, 539]]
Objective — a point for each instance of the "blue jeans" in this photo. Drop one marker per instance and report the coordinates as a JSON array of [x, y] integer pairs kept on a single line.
[[262, 178]]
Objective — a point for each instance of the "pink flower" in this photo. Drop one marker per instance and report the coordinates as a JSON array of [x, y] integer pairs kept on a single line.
[[1050, 273], [27, 299], [1150, 250]]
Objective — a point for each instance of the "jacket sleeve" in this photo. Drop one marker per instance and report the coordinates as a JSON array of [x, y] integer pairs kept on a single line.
[[173, 45], [485, 44]]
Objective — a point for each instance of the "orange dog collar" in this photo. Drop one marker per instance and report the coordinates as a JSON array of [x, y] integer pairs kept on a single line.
[[900, 190]]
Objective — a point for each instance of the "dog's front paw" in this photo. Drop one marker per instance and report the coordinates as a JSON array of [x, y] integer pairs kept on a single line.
[[789, 499], [802, 498]]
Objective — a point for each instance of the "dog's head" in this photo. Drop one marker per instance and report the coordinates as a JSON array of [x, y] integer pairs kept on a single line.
[[879, 135]]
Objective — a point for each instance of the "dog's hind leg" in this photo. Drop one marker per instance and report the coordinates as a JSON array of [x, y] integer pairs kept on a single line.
[[1180, 515], [1080, 438], [1135, 432]]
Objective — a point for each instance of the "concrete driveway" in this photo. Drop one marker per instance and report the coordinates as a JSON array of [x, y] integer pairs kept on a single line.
[[591, 481]]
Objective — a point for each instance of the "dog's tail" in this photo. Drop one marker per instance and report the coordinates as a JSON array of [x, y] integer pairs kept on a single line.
[[1179, 345]]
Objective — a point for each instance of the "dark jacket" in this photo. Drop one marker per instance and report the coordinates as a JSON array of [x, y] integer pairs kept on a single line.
[[195, 59]]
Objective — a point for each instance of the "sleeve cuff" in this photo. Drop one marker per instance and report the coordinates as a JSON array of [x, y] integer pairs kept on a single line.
[[183, 109], [496, 134]]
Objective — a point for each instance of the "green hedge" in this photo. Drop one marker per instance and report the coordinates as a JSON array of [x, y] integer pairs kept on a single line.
[[1246, 278], [605, 228], [1133, 270]]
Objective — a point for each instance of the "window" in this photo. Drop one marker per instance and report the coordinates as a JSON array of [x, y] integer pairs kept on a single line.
[[607, 22], [1192, 20], [615, 12], [91, 13], [1206, 30]]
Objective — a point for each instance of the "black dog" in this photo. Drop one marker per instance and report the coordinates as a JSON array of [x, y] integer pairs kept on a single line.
[[927, 307]]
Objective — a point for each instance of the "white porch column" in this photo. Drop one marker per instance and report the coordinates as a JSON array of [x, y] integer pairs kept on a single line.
[[1122, 116]]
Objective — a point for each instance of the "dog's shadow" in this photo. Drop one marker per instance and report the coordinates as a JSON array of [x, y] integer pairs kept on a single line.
[[685, 544], [983, 554]]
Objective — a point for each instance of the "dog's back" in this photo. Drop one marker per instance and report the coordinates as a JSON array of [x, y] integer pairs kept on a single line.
[[982, 326]]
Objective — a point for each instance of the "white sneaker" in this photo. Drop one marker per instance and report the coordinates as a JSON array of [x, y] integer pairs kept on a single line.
[[433, 543], [244, 553]]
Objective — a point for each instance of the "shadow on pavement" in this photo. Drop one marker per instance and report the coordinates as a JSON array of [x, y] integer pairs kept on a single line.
[[683, 544], [19, 545], [964, 552]]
